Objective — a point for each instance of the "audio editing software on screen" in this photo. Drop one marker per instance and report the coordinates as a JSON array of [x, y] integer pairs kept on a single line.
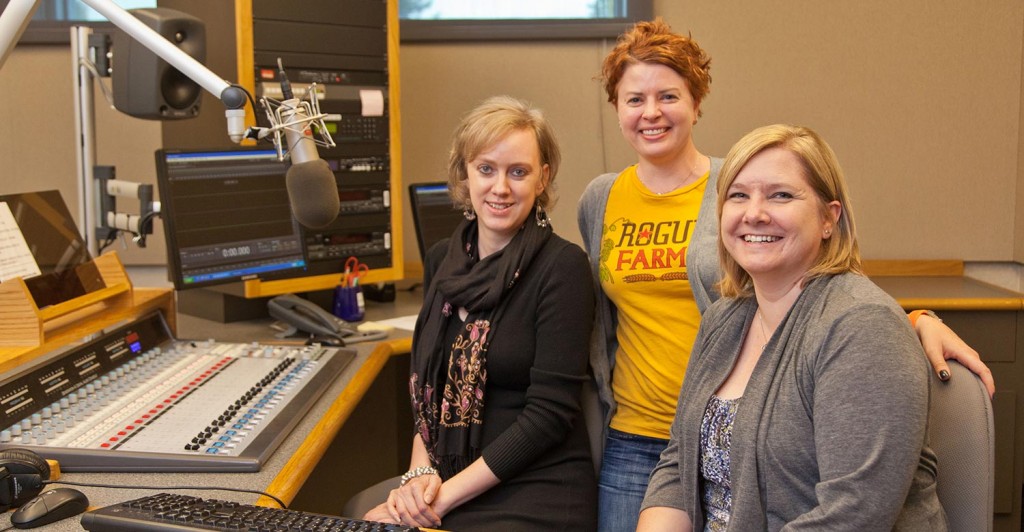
[[227, 217]]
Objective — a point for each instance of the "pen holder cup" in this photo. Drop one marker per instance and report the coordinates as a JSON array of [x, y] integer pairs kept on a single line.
[[348, 303]]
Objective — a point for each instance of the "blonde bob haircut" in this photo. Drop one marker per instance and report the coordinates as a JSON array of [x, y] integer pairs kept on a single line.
[[483, 127], [840, 252]]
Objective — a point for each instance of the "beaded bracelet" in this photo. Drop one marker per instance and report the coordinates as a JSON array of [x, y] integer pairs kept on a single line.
[[418, 472]]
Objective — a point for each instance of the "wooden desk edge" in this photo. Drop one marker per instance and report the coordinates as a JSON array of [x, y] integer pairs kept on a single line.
[[298, 468], [940, 304], [144, 301]]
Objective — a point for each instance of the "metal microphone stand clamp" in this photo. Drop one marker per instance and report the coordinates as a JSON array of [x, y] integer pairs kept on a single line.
[[300, 116]]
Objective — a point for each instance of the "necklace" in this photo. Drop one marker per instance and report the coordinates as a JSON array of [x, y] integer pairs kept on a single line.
[[662, 193], [689, 176], [764, 332]]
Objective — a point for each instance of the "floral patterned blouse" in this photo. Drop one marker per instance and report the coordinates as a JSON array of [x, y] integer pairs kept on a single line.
[[715, 440]]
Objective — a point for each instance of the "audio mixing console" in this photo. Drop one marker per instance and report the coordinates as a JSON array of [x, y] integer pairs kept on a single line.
[[136, 399]]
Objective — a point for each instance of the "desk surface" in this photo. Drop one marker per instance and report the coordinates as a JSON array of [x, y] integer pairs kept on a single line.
[[288, 467], [949, 293]]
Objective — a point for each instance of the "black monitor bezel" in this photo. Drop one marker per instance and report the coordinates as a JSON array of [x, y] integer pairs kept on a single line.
[[174, 268], [415, 207]]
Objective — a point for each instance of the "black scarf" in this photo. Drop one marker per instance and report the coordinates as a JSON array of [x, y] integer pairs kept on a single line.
[[447, 383]]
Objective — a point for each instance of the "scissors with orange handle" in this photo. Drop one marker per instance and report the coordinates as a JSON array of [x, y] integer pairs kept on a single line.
[[354, 272]]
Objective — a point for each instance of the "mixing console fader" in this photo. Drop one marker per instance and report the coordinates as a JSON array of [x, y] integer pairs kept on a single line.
[[136, 399]]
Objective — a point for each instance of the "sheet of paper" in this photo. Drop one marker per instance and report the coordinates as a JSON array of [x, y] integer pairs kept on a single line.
[[373, 102], [402, 322], [16, 258]]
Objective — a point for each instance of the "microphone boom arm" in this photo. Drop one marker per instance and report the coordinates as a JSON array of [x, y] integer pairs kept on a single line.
[[13, 22], [233, 96], [16, 16]]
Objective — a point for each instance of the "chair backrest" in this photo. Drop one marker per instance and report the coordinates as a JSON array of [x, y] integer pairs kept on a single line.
[[369, 498], [962, 434]]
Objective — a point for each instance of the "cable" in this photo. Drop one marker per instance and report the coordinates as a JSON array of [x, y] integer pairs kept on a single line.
[[110, 239], [91, 67], [252, 101], [160, 488], [145, 227]]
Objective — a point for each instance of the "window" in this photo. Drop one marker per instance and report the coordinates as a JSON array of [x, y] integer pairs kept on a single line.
[[434, 20], [53, 18], [422, 20]]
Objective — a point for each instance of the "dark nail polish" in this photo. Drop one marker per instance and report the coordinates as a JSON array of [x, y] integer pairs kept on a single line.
[[944, 375]]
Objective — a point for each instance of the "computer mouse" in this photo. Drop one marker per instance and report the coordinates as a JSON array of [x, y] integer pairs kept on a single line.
[[49, 506]]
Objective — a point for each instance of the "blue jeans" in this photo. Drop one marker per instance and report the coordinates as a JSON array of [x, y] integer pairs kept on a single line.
[[625, 470]]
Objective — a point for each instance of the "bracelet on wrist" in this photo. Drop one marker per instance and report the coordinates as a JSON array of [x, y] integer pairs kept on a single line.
[[417, 472], [918, 313]]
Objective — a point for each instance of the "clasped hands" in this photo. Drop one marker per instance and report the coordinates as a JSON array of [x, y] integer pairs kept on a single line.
[[417, 503]]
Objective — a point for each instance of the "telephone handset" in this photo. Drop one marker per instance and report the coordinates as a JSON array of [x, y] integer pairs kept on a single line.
[[307, 316], [303, 315]]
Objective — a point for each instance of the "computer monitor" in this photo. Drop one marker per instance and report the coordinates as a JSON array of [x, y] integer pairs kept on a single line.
[[434, 216], [226, 217]]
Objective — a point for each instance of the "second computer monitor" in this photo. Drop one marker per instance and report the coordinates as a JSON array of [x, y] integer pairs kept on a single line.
[[433, 214]]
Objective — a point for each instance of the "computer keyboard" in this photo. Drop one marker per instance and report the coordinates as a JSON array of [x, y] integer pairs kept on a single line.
[[167, 512]]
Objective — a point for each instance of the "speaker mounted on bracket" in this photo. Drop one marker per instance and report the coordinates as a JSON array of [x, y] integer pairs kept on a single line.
[[146, 86]]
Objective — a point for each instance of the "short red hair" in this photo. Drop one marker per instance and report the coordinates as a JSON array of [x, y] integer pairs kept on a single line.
[[654, 42]]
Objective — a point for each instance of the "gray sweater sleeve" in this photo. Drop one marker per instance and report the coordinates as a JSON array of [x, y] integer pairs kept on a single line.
[[867, 450]]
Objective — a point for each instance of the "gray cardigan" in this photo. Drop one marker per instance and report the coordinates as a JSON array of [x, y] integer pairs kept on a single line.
[[831, 429], [701, 263]]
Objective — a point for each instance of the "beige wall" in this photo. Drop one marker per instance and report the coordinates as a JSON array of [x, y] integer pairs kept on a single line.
[[919, 99], [922, 101], [37, 137], [1018, 236]]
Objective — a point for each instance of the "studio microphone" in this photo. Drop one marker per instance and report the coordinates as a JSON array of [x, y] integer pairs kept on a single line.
[[312, 189]]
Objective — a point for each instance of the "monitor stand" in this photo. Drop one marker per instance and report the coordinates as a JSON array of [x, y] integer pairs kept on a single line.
[[220, 304]]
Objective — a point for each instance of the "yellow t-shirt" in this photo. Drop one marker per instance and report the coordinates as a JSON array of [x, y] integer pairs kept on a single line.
[[643, 271]]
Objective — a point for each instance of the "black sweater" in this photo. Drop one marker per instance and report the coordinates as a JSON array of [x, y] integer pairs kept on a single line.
[[534, 437]]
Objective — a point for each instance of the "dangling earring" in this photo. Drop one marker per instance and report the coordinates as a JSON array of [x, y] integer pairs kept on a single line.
[[469, 214], [542, 217]]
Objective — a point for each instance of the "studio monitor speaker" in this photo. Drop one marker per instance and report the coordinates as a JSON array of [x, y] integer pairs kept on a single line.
[[144, 85]]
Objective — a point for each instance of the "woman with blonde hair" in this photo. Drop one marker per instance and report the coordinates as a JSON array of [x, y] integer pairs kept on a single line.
[[499, 353], [805, 403], [651, 234]]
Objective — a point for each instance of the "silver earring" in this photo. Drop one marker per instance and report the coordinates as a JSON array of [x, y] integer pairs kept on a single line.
[[542, 217], [469, 214]]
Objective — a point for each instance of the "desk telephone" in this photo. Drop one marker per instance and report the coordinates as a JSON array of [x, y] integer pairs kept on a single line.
[[305, 316]]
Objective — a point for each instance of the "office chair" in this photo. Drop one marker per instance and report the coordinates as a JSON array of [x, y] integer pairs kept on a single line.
[[365, 500], [962, 434]]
